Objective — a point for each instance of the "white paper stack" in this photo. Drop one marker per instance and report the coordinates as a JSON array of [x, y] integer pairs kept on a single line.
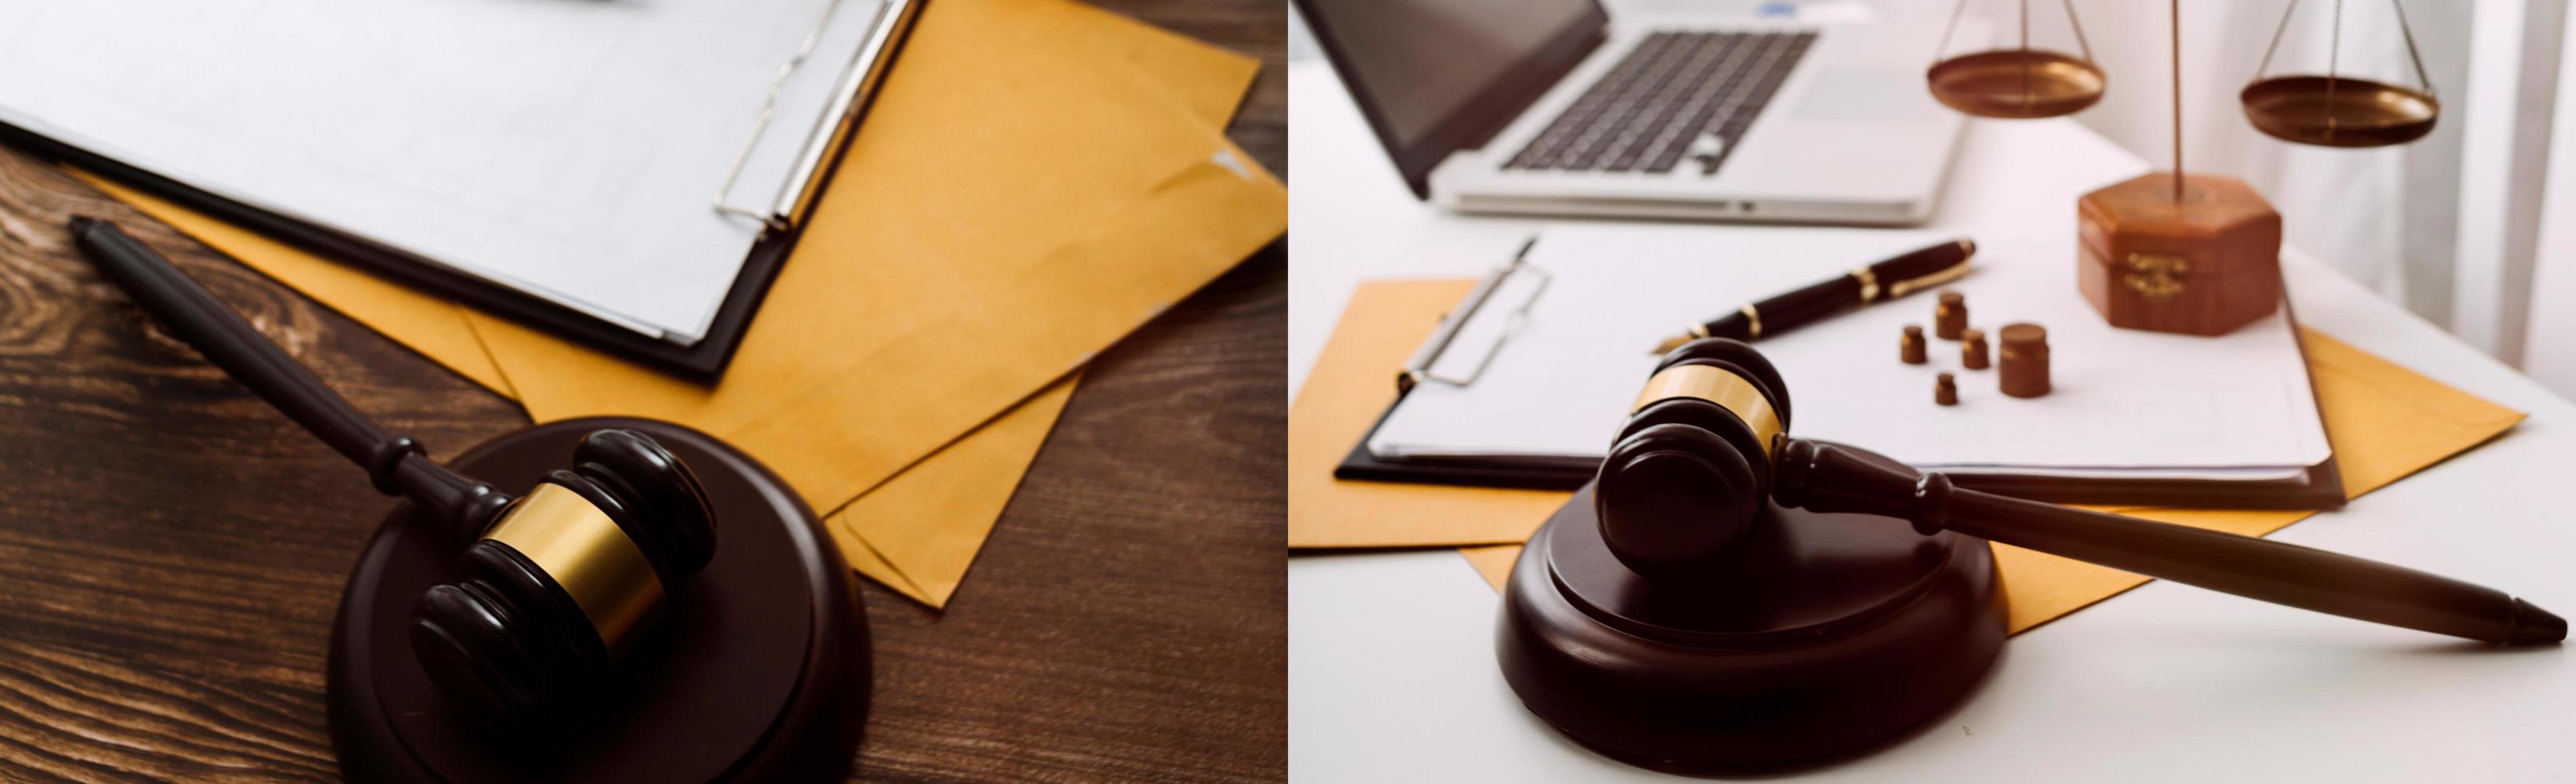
[[2127, 404], [570, 150]]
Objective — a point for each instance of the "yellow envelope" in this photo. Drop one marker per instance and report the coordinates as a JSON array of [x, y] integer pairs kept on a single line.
[[2385, 422], [927, 523], [917, 530]]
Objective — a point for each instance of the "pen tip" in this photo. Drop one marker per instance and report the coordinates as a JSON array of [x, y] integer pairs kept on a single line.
[[2532, 625], [1671, 343], [80, 223]]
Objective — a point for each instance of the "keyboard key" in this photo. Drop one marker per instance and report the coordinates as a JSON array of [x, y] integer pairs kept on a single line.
[[1675, 95]]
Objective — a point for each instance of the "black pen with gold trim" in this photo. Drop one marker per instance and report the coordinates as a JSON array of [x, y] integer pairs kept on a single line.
[[1896, 277]]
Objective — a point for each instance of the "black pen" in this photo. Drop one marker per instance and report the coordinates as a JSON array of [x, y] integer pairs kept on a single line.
[[1896, 277]]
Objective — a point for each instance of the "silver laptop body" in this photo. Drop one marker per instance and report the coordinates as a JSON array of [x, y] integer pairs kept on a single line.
[[1694, 117]]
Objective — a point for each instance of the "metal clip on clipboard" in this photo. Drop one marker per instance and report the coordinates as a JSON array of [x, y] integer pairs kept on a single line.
[[1418, 369], [858, 84]]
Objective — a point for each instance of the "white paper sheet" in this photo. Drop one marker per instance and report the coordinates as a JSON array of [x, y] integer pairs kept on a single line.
[[2125, 403], [567, 148]]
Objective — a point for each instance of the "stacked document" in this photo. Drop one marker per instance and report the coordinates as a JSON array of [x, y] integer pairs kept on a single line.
[[573, 151], [1557, 360]]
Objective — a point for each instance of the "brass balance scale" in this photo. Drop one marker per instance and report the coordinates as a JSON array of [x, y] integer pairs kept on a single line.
[[2195, 254]]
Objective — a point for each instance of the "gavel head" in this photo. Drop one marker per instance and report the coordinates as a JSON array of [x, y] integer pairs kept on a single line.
[[1692, 466], [565, 578]]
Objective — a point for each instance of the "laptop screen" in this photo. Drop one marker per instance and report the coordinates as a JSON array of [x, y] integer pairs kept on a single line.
[[1437, 75]]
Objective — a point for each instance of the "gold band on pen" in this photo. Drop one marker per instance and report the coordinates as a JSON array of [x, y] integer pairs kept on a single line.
[[587, 554], [1752, 319], [1868, 284], [1967, 250], [1904, 287], [1728, 390]]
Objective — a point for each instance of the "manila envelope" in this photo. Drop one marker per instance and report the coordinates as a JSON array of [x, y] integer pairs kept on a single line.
[[918, 528], [2385, 421]]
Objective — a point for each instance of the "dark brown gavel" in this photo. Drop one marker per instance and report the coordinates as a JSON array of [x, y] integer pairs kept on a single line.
[[1709, 442], [554, 583]]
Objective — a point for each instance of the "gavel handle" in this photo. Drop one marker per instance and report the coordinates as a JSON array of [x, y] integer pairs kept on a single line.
[[394, 463], [1826, 478]]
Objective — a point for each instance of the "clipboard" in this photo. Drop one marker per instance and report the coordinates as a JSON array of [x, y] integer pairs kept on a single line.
[[702, 361], [2319, 487]]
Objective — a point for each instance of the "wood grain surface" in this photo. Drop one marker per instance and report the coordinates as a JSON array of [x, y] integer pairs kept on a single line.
[[173, 549]]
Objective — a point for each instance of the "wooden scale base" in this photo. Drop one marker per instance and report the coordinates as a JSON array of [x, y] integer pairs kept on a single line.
[[1834, 635], [758, 670]]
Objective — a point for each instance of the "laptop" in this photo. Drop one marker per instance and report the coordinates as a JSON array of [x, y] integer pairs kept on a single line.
[[1549, 107]]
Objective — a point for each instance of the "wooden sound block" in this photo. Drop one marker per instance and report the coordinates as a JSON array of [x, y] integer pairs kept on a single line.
[[759, 668], [2203, 265], [1832, 635]]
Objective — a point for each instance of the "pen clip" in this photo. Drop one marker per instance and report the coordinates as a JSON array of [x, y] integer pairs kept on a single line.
[[1927, 280], [1419, 368]]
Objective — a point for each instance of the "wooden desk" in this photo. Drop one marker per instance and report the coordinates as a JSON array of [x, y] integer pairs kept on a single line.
[[173, 549]]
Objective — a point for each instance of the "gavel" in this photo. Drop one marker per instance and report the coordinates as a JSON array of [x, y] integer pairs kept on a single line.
[[1708, 442], [556, 583]]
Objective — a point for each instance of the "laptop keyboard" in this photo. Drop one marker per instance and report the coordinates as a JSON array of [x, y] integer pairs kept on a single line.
[[1676, 95]]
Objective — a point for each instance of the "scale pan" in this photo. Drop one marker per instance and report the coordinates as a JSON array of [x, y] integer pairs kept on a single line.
[[2016, 84], [2356, 113]]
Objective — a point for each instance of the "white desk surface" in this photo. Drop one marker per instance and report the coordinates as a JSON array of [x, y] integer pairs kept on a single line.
[[1391, 673]]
